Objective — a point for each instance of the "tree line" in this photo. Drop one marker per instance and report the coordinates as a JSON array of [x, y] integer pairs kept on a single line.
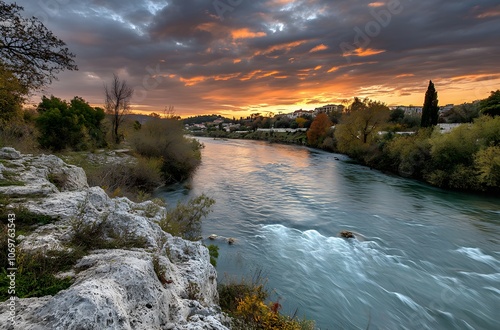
[[30, 58], [467, 158]]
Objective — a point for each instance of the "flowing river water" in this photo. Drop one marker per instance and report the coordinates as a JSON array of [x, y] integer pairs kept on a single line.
[[425, 258]]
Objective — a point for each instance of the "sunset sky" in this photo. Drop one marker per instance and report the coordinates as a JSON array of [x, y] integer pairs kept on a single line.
[[235, 57]]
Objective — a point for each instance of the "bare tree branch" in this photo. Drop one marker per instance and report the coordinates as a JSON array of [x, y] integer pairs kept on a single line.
[[29, 50]]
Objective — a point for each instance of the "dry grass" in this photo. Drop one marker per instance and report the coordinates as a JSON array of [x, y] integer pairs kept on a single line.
[[19, 134]]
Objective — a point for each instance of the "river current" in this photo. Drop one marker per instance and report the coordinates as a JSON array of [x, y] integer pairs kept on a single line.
[[424, 258]]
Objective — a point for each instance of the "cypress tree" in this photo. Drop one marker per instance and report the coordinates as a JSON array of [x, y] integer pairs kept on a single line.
[[430, 112]]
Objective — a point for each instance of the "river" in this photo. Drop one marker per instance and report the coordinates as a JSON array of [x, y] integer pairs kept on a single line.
[[425, 258]]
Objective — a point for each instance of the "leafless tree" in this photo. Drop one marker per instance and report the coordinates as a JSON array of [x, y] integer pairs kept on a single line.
[[169, 113], [118, 96]]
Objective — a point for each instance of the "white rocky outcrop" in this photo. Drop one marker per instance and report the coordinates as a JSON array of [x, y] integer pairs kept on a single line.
[[112, 289]]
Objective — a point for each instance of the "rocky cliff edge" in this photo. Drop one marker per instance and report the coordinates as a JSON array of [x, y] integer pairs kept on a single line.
[[112, 288]]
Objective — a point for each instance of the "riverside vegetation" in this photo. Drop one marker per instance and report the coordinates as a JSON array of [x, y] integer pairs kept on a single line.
[[159, 154], [467, 158]]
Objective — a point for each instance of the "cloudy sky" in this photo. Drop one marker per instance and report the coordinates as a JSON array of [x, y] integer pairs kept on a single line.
[[234, 57]]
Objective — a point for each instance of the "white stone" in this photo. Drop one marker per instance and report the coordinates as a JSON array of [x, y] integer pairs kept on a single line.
[[113, 289], [9, 153]]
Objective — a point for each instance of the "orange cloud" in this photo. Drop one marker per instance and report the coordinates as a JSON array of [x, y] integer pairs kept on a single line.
[[225, 77], [259, 74], [318, 48], [333, 69], [268, 74], [405, 75], [250, 75], [246, 34], [192, 81], [363, 52], [476, 77], [491, 13], [376, 4], [285, 47]]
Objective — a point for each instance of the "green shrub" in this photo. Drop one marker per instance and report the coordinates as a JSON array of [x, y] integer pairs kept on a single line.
[[164, 139], [185, 219], [456, 147], [12, 94], [36, 273], [213, 251], [74, 125], [230, 294], [26, 221], [487, 162]]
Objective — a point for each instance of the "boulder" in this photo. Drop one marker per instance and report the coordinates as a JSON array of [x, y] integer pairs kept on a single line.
[[9, 153], [347, 234]]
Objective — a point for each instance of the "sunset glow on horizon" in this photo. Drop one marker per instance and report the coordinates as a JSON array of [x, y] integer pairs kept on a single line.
[[275, 56]]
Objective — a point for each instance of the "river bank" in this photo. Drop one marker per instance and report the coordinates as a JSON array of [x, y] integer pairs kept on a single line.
[[464, 159], [429, 259]]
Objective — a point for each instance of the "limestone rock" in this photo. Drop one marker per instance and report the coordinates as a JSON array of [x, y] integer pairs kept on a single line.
[[41, 176], [9, 153], [112, 289]]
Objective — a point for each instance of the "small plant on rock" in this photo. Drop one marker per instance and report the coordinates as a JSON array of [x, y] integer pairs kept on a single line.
[[185, 219], [213, 251], [159, 270]]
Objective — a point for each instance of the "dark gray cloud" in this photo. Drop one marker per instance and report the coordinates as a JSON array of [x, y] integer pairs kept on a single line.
[[275, 53]]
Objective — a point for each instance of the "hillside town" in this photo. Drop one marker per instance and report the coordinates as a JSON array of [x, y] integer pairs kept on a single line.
[[287, 122]]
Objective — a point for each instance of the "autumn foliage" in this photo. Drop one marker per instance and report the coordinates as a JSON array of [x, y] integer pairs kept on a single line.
[[319, 130]]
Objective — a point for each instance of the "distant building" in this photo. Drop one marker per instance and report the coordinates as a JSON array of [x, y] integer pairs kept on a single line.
[[200, 126], [409, 110], [330, 108], [300, 113]]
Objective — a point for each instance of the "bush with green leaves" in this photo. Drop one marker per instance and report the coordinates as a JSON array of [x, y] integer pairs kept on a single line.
[[35, 276], [491, 105], [36, 273], [164, 139], [466, 158], [185, 219], [12, 95], [74, 125], [26, 220], [213, 251]]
